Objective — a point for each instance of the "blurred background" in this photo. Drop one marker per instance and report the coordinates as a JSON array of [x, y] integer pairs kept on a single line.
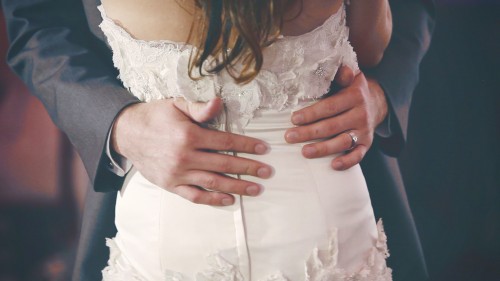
[[42, 186], [451, 163]]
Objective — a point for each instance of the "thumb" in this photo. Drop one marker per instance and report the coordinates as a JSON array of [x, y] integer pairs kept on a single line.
[[200, 111], [344, 76]]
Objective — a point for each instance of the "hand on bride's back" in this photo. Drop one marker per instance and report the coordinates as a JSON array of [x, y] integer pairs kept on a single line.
[[165, 142], [358, 107]]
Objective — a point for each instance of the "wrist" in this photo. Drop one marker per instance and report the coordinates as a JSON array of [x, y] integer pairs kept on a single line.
[[121, 130], [380, 100]]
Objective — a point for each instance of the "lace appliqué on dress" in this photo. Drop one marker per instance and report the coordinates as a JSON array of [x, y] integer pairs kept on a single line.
[[326, 269], [317, 267], [295, 68], [118, 268]]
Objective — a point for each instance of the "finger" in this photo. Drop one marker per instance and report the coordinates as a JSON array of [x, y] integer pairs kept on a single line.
[[334, 104], [340, 143], [228, 164], [200, 111], [323, 129], [200, 196], [224, 141], [221, 183], [325, 108], [344, 76], [350, 159]]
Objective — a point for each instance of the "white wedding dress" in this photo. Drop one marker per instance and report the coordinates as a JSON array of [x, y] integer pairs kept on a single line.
[[310, 223]]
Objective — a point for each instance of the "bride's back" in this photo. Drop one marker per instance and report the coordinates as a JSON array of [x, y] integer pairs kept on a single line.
[[172, 19], [153, 19], [162, 236]]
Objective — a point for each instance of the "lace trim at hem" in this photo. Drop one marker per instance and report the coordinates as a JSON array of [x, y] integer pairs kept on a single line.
[[118, 268], [316, 268]]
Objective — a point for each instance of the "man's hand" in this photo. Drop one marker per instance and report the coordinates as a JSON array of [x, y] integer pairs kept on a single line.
[[359, 107], [165, 142]]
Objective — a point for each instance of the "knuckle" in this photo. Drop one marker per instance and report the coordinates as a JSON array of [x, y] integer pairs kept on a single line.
[[223, 165], [245, 145], [196, 198], [309, 115], [332, 127], [362, 154], [300, 133], [357, 95], [346, 141], [316, 132], [307, 133], [349, 162], [210, 182], [363, 114], [165, 183], [190, 196], [228, 142], [191, 135], [213, 200], [357, 157], [321, 148], [331, 107], [187, 136], [181, 158], [369, 139], [251, 169]]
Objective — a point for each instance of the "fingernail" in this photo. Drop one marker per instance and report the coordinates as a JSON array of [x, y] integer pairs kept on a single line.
[[253, 190], [262, 149], [292, 136], [264, 172], [298, 118], [337, 165], [310, 151], [227, 202]]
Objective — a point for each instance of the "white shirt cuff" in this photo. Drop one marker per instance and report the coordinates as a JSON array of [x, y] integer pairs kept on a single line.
[[118, 165]]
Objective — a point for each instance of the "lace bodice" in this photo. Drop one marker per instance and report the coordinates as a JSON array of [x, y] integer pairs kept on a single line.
[[295, 69]]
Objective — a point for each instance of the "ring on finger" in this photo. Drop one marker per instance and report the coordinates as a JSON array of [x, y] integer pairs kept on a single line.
[[354, 139]]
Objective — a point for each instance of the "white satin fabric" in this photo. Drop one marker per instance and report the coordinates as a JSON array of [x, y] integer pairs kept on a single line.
[[310, 223]]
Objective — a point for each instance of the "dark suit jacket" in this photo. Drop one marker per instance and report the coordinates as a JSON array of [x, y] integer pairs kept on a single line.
[[59, 51]]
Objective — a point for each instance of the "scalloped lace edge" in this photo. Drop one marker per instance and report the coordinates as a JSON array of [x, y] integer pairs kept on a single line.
[[316, 268]]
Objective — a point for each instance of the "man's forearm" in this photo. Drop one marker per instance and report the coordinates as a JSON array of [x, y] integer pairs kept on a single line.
[[398, 71], [69, 70]]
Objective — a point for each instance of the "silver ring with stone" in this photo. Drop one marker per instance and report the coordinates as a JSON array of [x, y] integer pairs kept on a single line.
[[354, 139]]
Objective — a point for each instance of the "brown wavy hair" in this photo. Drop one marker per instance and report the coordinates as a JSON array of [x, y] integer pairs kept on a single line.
[[230, 34]]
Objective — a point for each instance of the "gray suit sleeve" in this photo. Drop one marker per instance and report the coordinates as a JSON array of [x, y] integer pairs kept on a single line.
[[69, 69], [398, 72]]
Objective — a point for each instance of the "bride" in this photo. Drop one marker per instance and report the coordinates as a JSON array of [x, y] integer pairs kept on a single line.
[[263, 59]]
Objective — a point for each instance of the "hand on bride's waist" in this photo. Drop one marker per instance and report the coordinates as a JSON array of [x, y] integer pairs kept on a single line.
[[343, 122], [166, 143]]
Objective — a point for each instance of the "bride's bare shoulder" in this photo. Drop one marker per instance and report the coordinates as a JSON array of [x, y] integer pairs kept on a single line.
[[172, 19], [152, 19], [304, 16]]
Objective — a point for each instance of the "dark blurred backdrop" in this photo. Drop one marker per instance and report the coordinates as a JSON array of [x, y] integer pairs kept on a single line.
[[450, 165], [451, 162]]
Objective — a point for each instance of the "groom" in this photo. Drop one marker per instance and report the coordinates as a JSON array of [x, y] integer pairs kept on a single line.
[[60, 52]]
